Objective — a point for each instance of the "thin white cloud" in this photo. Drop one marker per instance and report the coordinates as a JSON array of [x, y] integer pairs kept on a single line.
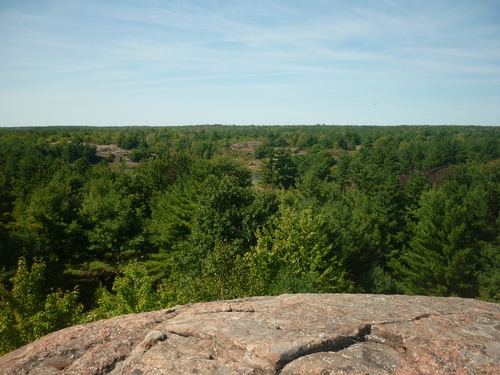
[[161, 47]]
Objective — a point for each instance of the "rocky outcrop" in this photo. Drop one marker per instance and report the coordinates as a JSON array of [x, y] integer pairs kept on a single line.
[[289, 334]]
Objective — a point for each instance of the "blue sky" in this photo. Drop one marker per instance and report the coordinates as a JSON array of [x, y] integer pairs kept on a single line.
[[181, 62]]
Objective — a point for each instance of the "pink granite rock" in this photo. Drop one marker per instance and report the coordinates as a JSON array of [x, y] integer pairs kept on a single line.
[[289, 334]]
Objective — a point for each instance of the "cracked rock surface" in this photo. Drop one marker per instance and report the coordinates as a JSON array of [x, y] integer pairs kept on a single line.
[[288, 334]]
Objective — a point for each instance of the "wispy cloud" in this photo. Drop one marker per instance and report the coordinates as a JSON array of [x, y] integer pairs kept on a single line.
[[161, 47]]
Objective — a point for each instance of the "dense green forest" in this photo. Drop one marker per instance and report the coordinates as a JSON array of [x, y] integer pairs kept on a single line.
[[97, 222]]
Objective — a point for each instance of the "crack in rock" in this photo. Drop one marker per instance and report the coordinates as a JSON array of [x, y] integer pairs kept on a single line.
[[185, 335], [151, 339], [113, 365], [172, 312], [332, 344], [365, 334], [393, 340], [226, 309], [335, 344], [390, 339], [243, 310], [418, 317]]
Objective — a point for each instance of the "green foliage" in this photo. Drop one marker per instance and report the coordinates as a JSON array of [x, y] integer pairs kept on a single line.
[[46, 221], [110, 213], [225, 214], [280, 169], [157, 174], [172, 214], [137, 154], [298, 249], [219, 167], [220, 214], [133, 292], [489, 277], [26, 314], [287, 281], [263, 150], [411, 209], [219, 277], [382, 281], [455, 221], [363, 232]]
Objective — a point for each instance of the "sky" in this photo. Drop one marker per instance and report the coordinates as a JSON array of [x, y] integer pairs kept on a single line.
[[189, 62]]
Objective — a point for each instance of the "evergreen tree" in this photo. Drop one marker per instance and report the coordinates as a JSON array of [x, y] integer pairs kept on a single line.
[[280, 170], [455, 221]]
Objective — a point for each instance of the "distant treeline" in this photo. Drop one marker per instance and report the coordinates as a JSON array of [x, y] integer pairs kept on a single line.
[[200, 213]]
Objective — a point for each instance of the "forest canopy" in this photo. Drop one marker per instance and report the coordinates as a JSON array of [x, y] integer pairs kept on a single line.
[[97, 222]]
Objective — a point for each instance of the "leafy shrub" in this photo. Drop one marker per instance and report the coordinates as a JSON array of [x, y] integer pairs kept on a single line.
[[133, 292], [26, 314]]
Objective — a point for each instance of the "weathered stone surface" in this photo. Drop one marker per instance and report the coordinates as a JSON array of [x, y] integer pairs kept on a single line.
[[289, 334]]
